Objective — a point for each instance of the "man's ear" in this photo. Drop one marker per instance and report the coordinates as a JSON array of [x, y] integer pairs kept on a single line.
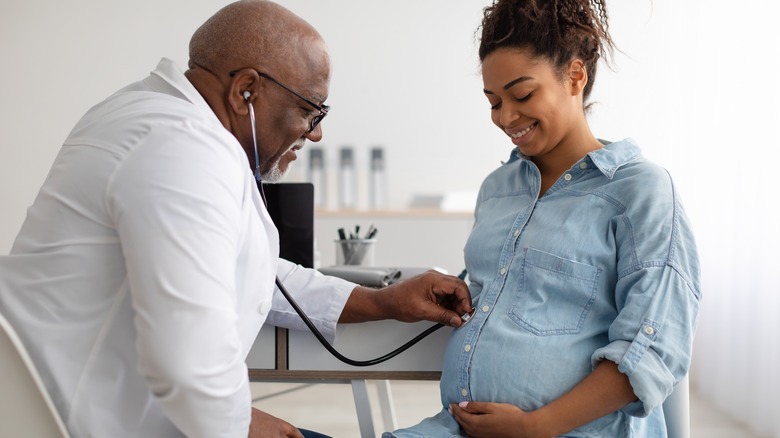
[[577, 76], [242, 90]]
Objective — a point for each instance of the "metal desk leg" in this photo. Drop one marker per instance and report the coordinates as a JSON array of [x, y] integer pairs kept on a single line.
[[386, 405], [363, 408]]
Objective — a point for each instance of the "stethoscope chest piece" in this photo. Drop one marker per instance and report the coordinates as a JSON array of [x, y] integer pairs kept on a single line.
[[466, 317]]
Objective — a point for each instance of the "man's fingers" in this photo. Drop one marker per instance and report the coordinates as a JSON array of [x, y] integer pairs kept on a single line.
[[453, 290], [451, 319]]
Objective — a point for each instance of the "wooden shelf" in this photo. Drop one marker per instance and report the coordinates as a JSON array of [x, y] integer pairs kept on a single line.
[[416, 212]]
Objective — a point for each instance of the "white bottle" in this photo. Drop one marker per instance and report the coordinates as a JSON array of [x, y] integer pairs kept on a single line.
[[378, 194], [347, 183], [317, 176]]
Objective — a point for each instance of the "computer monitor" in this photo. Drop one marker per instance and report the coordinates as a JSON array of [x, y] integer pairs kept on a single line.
[[291, 206]]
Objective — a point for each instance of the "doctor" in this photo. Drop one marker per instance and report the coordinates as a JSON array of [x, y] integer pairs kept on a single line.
[[145, 267]]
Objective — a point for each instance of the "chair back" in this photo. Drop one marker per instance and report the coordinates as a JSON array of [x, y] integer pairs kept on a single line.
[[25, 406], [677, 411]]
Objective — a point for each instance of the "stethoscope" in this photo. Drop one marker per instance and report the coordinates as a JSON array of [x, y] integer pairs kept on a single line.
[[314, 330]]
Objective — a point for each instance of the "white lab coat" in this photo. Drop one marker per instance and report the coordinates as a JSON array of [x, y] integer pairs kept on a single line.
[[144, 270]]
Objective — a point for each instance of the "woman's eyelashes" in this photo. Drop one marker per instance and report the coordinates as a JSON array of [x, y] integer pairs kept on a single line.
[[523, 99]]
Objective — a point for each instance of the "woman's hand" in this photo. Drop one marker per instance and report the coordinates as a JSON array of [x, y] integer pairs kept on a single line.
[[604, 391], [494, 420]]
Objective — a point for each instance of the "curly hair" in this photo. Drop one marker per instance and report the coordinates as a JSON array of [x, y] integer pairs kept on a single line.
[[558, 30]]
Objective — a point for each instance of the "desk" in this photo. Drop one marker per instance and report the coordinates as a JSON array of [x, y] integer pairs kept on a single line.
[[299, 357]]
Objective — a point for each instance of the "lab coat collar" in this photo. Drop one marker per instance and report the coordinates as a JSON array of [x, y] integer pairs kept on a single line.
[[177, 84]]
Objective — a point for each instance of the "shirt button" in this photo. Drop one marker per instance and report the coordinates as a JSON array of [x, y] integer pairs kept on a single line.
[[485, 308], [467, 348], [516, 233], [649, 330], [464, 392], [583, 165], [567, 177], [265, 307], [503, 271]]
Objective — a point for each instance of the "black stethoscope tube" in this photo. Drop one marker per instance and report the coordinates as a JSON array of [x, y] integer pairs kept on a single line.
[[334, 352]]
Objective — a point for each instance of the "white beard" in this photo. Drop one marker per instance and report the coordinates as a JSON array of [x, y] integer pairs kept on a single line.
[[275, 173]]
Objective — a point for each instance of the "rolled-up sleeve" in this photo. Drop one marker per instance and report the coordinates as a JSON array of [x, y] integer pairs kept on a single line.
[[657, 296], [651, 340]]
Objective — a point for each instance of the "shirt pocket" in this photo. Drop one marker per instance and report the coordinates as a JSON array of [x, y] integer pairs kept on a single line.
[[554, 294]]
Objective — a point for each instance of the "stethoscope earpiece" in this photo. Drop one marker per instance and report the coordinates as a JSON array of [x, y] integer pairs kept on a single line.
[[247, 94]]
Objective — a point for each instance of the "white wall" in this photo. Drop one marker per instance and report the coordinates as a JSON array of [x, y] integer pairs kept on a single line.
[[405, 77], [696, 85], [61, 57]]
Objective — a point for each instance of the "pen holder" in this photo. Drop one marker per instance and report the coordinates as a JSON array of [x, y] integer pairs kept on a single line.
[[356, 252]]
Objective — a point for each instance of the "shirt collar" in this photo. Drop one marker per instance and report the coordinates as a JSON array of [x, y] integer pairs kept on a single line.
[[608, 159], [614, 155]]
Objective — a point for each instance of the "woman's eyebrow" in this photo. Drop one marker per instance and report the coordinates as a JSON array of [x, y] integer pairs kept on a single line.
[[510, 84]]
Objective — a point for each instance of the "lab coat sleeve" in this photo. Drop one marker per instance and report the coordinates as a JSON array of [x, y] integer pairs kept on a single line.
[[176, 202], [321, 297]]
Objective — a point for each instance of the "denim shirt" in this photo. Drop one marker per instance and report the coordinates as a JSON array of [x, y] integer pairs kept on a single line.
[[603, 266]]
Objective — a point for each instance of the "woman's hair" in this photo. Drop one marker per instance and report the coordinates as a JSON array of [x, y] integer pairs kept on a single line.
[[558, 30]]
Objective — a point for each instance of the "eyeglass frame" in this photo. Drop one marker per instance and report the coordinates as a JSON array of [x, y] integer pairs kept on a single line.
[[323, 109]]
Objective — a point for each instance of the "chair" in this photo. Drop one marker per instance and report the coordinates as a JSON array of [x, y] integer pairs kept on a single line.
[[677, 411], [25, 406]]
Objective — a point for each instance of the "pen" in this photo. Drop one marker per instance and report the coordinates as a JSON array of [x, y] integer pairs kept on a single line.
[[360, 249], [345, 247]]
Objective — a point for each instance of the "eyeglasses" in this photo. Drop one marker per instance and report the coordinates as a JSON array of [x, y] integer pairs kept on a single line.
[[323, 109]]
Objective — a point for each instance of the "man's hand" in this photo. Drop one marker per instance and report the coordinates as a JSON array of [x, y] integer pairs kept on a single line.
[[430, 296], [268, 426]]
